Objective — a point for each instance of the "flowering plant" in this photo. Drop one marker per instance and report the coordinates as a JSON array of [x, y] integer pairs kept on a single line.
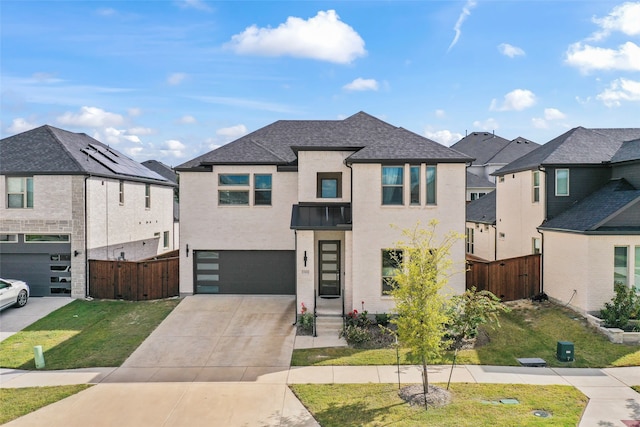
[[306, 319]]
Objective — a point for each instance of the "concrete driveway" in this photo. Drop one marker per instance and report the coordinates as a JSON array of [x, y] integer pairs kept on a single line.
[[14, 319]]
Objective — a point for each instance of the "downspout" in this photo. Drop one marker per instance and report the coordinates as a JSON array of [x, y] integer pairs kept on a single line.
[[295, 310], [86, 238], [351, 200], [543, 200]]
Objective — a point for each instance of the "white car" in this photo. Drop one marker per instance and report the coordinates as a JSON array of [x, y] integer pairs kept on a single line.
[[13, 292]]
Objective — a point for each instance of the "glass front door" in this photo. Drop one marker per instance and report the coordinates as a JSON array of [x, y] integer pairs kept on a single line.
[[329, 268]]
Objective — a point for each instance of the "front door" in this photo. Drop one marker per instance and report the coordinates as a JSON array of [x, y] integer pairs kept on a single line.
[[329, 262]]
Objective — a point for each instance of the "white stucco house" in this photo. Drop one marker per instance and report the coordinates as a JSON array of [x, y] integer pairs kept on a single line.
[[576, 200], [69, 198], [306, 208], [480, 234]]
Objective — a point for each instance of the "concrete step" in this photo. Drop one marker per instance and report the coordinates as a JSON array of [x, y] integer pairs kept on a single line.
[[328, 325]]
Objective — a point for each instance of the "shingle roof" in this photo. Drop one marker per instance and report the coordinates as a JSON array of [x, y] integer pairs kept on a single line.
[[482, 210], [475, 181], [576, 146], [488, 148], [49, 150], [591, 212], [372, 140], [629, 151], [162, 169]]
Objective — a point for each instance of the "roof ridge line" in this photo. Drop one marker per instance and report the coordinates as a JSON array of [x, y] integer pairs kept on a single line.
[[64, 147], [266, 149]]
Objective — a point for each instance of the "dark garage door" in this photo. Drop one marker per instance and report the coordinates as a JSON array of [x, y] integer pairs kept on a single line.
[[245, 272]]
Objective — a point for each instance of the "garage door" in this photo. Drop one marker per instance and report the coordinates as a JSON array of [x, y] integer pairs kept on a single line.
[[46, 267], [245, 272]]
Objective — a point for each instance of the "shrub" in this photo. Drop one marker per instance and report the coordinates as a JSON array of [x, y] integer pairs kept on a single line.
[[356, 335], [305, 320], [623, 306], [382, 319], [354, 318]]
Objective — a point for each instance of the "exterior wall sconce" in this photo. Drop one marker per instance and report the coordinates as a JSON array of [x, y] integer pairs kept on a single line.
[[187, 250], [305, 258], [76, 253]]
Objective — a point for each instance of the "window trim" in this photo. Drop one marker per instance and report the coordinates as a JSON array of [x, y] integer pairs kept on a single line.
[[321, 176], [147, 196], [387, 278], [568, 181], [257, 190], [401, 185], [626, 266], [535, 187], [536, 249], [224, 184], [469, 240], [24, 183], [416, 182], [433, 193], [67, 240], [229, 188], [165, 239], [121, 192]]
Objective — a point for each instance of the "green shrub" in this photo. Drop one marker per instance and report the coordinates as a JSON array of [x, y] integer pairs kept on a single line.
[[356, 335], [382, 319], [623, 306]]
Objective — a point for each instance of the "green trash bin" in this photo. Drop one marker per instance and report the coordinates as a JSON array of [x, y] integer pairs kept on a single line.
[[565, 351]]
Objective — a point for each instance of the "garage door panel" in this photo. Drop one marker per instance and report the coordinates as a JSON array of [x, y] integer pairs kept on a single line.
[[245, 272]]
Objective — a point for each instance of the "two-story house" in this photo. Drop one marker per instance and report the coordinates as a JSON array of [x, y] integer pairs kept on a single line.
[[491, 152], [69, 198], [572, 199], [314, 208]]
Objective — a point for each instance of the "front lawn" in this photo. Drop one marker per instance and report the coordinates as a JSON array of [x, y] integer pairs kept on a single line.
[[85, 334], [16, 402], [473, 405], [529, 330]]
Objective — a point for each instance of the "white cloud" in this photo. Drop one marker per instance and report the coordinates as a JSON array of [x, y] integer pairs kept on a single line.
[[106, 11], [176, 78], [509, 50], [539, 123], [20, 125], [91, 117], [194, 4], [620, 90], [247, 103], [444, 137], [466, 11], [323, 37], [232, 132], [174, 148], [361, 84], [140, 131], [133, 151], [134, 112], [187, 120], [441, 114], [489, 124], [113, 136], [516, 100], [553, 114], [587, 58], [624, 18]]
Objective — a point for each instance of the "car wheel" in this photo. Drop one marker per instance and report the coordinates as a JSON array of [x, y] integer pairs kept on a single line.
[[21, 301]]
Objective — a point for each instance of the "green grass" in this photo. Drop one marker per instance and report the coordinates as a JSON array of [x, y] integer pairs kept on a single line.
[[86, 334], [379, 405], [636, 388], [16, 402], [524, 332]]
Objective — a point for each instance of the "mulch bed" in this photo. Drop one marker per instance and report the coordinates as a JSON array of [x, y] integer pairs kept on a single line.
[[414, 395]]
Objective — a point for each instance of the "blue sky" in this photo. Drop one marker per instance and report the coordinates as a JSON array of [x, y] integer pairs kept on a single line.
[[170, 80]]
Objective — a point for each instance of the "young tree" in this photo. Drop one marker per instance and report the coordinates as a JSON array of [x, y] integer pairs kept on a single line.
[[420, 305]]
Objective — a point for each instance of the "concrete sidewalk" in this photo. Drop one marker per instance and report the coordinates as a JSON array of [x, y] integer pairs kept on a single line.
[[172, 397]]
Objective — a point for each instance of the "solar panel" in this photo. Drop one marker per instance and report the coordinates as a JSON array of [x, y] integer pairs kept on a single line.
[[120, 164]]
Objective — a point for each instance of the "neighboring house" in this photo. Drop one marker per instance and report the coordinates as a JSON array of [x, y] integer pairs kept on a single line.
[[69, 198], [491, 152], [575, 199], [171, 175], [307, 207], [480, 235]]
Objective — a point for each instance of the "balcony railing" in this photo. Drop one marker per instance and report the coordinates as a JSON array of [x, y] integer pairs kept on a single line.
[[321, 217]]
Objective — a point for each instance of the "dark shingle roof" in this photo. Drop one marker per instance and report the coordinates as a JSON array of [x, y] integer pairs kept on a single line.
[[629, 151], [483, 210], [162, 169], [475, 181], [371, 138], [49, 150], [488, 148], [576, 146], [590, 213]]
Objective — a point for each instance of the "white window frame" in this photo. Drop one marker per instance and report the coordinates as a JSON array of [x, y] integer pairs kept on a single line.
[[535, 196], [470, 240], [568, 182], [25, 180], [147, 196]]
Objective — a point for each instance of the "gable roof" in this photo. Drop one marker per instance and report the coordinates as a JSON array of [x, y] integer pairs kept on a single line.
[[594, 211], [576, 146], [629, 151], [162, 169], [487, 147], [475, 181], [47, 150], [483, 209], [371, 139]]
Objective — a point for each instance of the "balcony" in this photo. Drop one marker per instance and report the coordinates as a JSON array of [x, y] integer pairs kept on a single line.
[[335, 216]]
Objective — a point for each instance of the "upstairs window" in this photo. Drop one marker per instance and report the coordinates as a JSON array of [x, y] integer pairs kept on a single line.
[[147, 196], [536, 187], [234, 189], [431, 185], [562, 182], [19, 192], [392, 185], [621, 265], [415, 185], [262, 189], [329, 185], [535, 246], [165, 240], [469, 240], [121, 192]]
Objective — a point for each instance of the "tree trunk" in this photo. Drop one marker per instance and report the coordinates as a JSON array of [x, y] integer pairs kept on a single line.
[[425, 382]]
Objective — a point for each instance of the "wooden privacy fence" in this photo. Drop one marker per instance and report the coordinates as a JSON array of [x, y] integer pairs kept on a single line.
[[509, 279], [134, 281]]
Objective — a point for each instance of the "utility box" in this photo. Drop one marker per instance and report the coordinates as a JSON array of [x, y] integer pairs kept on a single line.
[[564, 351]]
